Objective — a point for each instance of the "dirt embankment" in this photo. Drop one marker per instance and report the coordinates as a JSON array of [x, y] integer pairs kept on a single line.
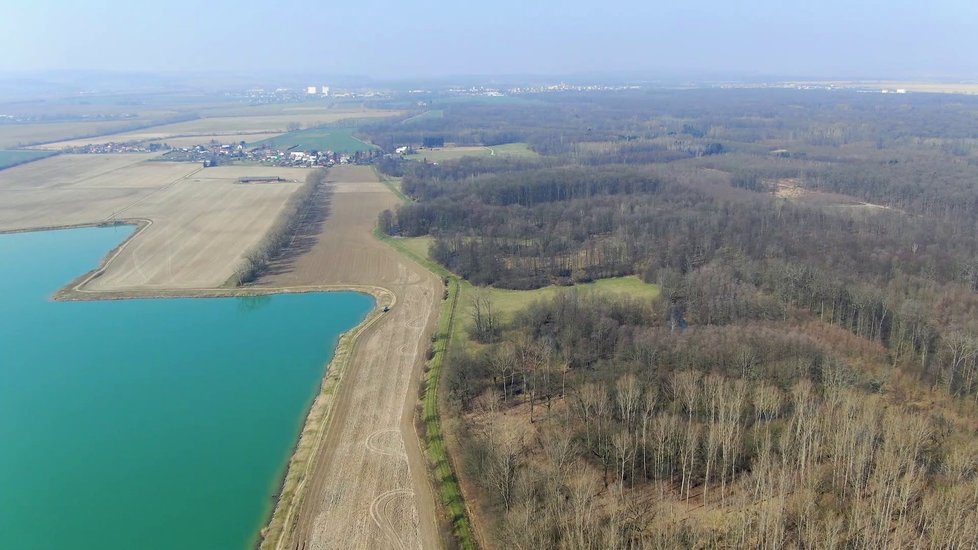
[[358, 479]]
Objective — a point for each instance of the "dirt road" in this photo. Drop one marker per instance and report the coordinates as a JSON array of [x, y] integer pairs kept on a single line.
[[365, 484]]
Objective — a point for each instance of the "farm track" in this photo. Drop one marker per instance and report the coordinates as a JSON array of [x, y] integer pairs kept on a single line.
[[365, 482]]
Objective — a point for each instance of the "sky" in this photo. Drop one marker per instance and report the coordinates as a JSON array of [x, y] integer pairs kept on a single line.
[[427, 38]]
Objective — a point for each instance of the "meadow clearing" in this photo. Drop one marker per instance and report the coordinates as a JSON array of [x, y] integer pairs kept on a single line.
[[507, 302]]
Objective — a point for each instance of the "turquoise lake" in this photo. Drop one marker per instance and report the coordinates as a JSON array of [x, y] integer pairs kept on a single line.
[[147, 423]]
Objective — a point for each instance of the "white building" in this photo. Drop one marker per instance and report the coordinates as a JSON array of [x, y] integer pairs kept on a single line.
[[325, 90], [311, 90]]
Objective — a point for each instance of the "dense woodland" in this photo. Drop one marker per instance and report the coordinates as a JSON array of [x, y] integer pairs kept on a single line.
[[809, 375]]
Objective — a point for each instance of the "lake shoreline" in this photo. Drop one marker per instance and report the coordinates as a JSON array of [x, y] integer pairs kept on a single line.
[[288, 482]]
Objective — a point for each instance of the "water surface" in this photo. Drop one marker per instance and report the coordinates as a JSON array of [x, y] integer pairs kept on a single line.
[[147, 423]]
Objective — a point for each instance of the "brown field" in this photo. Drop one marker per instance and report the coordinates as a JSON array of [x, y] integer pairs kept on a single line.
[[362, 480], [202, 228], [150, 135], [227, 128], [270, 109], [200, 222], [190, 141], [66, 170], [80, 189], [265, 123], [17, 135], [792, 189]]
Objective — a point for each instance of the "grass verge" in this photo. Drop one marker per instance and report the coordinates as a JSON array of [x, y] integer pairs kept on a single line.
[[392, 185]]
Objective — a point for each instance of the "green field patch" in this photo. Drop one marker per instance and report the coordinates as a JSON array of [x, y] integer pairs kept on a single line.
[[442, 154], [507, 302], [10, 158], [418, 245], [339, 140]]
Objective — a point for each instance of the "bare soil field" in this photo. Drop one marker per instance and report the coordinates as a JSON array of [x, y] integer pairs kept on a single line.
[[324, 107], [153, 136], [199, 224], [792, 189], [244, 127], [67, 170], [71, 190], [362, 481], [190, 141], [200, 232], [264, 123], [17, 135]]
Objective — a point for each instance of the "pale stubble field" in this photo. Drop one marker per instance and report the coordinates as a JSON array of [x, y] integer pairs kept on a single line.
[[198, 223]]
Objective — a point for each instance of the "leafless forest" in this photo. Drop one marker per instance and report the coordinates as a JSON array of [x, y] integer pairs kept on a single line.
[[807, 377]]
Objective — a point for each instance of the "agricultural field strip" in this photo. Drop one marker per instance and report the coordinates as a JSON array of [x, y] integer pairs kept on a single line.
[[203, 226], [224, 125], [367, 475], [202, 230], [65, 171]]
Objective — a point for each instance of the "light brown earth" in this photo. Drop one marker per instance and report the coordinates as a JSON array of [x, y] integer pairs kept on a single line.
[[230, 126], [17, 135], [366, 485], [80, 189], [202, 226], [150, 135], [198, 223], [792, 189]]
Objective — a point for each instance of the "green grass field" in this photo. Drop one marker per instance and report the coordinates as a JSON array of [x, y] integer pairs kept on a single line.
[[507, 302], [418, 245], [340, 140], [13, 158], [442, 154]]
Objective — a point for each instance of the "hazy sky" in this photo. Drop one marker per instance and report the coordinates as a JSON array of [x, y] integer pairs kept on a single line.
[[871, 38]]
